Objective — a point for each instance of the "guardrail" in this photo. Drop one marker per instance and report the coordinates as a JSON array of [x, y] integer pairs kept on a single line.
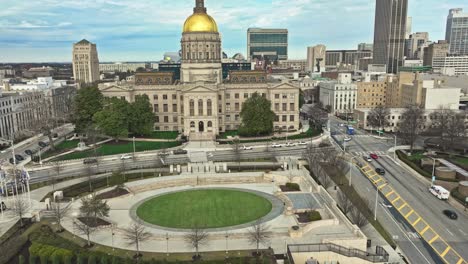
[[348, 252]]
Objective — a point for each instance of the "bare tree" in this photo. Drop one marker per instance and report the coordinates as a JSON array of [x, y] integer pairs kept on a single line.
[[259, 234], [20, 207], [377, 117], [325, 180], [84, 229], [57, 167], [410, 125], [344, 203], [196, 238], [89, 173], [456, 128], [440, 119], [59, 213], [358, 218], [135, 235]]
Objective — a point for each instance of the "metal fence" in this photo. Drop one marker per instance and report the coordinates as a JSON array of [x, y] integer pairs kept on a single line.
[[381, 256]]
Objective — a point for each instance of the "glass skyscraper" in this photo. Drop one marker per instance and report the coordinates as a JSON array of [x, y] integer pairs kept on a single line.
[[389, 33], [271, 44], [457, 32]]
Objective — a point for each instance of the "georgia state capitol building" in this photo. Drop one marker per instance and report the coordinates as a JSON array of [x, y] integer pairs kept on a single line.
[[203, 104]]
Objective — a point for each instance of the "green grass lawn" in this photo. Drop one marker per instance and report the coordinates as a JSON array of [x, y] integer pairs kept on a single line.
[[113, 148], [204, 208]]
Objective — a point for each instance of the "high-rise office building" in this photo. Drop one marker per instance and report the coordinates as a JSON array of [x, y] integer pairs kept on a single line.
[[415, 41], [409, 27], [271, 44], [389, 33], [85, 62], [435, 50], [365, 46], [316, 58], [457, 31]]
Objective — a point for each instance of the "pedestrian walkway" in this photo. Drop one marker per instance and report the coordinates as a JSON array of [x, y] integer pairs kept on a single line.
[[367, 153], [454, 167]]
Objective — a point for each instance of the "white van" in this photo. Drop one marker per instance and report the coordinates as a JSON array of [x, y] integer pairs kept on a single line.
[[439, 192]]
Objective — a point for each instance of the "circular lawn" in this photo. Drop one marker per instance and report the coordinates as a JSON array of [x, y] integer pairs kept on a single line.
[[204, 209]]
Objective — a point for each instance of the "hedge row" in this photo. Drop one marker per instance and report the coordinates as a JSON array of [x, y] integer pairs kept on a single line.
[[414, 166], [314, 216], [47, 252], [293, 186]]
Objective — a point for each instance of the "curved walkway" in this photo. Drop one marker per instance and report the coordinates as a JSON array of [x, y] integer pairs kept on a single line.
[[277, 210]]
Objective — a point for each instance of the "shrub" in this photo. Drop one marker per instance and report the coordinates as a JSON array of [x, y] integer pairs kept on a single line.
[[104, 260], [55, 259], [43, 259], [80, 259], [115, 260], [49, 252], [21, 259], [314, 216], [293, 186], [67, 260], [92, 259], [32, 259]]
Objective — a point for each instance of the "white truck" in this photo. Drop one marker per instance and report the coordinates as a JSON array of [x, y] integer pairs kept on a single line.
[[439, 192]]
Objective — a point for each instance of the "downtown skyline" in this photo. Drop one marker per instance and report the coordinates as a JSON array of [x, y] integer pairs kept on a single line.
[[143, 30]]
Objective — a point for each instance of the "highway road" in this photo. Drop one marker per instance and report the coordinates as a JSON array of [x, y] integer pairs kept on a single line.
[[150, 160], [415, 191]]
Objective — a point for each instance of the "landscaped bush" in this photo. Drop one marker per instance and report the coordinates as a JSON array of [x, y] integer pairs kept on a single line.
[[32, 259], [314, 216], [414, 166], [293, 186], [49, 252]]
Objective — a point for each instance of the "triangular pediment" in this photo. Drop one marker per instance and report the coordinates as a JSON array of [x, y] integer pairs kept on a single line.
[[285, 85], [115, 88], [201, 89]]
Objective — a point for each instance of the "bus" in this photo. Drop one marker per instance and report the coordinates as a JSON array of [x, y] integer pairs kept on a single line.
[[350, 130]]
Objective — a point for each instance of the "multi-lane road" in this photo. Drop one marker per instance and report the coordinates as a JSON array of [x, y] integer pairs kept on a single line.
[[414, 190]]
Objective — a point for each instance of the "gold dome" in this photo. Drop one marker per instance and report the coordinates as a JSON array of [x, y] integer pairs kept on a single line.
[[200, 22]]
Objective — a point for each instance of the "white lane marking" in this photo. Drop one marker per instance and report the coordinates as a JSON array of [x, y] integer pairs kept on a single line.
[[461, 231], [406, 235], [449, 232]]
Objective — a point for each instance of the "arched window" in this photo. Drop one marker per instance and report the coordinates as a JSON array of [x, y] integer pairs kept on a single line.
[[210, 124], [192, 124], [192, 108], [209, 107], [200, 107]]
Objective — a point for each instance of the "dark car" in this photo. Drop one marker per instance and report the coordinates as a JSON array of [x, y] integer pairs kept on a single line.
[[380, 171], [29, 152], [42, 144], [90, 161], [180, 152], [451, 214], [19, 157]]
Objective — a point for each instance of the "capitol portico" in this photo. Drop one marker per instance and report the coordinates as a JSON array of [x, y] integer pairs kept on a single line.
[[203, 104]]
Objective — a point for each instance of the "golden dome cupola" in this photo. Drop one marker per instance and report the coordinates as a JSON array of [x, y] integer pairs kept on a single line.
[[200, 21]]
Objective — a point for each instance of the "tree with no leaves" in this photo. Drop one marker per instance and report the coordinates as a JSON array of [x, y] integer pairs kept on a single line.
[[20, 208], [358, 218], [377, 117], [59, 213], [84, 229], [135, 235], [344, 203], [57, 167], [259, 234], [448, 124], [236, 149], [196, 238], [410, 125]]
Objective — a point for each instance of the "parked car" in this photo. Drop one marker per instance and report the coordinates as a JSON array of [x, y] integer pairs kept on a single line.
[[19, 157], [29, 152], [42, 144], [367, 158], [126, 157], [302, 143], [90, 161], [246, 148], [276, 145], [180, 152], [451, 214], [380, 171], [290, 144], [374, 156]]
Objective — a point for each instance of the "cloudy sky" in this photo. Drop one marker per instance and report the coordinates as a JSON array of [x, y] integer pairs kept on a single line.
[[142, 30]]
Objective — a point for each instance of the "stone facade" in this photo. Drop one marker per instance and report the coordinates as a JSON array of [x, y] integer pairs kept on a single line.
[[85, 62], [371, 94]]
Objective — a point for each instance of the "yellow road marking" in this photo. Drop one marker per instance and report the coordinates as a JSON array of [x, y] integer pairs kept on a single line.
[[460, 261], [417, 221], [390, 193], [401, 207], [445, 251], [382, 186], [424, 230], [408, 214], [378, 181], [396, 199], [434, 239]]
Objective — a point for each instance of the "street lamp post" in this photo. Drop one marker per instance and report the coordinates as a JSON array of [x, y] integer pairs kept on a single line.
[[394, 148], [134, 148], [433, 170], [376, 202], [350, 169]]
